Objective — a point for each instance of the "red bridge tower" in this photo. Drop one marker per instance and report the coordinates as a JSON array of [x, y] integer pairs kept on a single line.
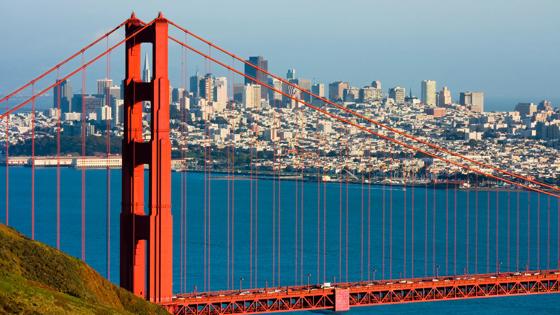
[[146, 234]]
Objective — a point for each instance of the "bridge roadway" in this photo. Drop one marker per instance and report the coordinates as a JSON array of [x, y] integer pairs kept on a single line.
[[343, 296]]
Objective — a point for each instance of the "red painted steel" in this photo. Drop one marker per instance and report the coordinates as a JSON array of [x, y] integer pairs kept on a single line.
[[146, 238], [343, 296]]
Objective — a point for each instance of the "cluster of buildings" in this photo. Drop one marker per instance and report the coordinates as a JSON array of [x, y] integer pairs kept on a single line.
[[221, 114]]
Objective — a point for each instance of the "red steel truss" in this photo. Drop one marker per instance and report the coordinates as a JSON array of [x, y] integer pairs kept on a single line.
[[343, 296]]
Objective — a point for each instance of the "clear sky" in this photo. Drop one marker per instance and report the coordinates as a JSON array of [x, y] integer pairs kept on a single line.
[[508, 48]]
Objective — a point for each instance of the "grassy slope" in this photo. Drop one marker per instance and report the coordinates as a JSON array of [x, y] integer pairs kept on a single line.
[[38, 279]]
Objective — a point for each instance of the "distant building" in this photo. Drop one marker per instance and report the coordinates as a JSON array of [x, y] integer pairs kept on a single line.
[[291, 74], [397, 94], [473, 100], [545, 105], [103, 86], [351, 94], [252, 96], [91, 103], [526, 109], [206, 87], [370, 93], [62, 96], [435, 111], [147, 72], [428, 96], [177, 94], [194, 84], [275, 98], [376, 84], [444, 97], [336, 90], [305, 85], [260, 76], [318, 89], [221, 90]]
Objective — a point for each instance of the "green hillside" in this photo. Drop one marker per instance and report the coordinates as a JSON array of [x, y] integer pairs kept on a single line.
[[38, 279]]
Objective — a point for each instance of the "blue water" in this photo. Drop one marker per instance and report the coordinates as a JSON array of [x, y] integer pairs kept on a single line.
[[542, 210]]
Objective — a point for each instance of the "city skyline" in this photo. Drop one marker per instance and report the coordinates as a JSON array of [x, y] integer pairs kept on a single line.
[[486, 63]]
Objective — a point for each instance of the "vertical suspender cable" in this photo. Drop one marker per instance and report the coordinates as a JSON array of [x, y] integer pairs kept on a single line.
[[108, 170], [58, 190], [405, 226], [83, 160], [455, 226], [33, 163]]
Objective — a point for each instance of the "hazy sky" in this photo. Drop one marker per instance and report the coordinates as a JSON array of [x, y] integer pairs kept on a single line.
[[507, 48]]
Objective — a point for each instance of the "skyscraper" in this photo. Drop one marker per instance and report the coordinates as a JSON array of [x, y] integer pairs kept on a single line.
[[376, 84], [194, 83], [398, 94], [206, 87], [336, 90], [252, 96], [291, 74], [103, 85], [444, 97], [260, 76], [147, 72], [473, 100], [428, 96], [318, 89], [221, 90], [62, 96]]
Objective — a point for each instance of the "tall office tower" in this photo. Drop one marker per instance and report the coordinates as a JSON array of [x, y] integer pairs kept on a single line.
[[351, 94], [62, 95], [291, 74], [262, 63], [221, 90], [206, 87], [194, 84], [473, 100], [398, 94], [369, 94], [115, 92], [147, 72], [103, 85], [318, 89], [275, 98], [305, 85], [545, 105], [294, 93], [336, 90], [444, 97], [177, 94], [92, 103], [429, 92], [376, 84], [526, 109], [252, 96]]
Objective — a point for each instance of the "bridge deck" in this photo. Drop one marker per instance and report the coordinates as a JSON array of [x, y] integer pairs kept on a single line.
[[342, 296]]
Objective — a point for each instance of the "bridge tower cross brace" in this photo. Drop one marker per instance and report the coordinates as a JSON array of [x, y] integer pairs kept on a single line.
[[146, 236]]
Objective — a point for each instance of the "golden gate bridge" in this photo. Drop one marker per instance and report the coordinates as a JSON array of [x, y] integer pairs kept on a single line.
[[146, 229]]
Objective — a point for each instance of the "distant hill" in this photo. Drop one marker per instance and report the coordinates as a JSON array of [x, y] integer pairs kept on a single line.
[[38, 279]]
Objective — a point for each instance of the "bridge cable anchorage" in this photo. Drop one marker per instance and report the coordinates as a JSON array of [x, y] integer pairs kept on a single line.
[[399, 132], [377, 134], [72, 73], [62, 63]]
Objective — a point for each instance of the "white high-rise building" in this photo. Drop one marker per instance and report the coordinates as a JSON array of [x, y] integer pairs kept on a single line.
[[473, 100], [147, 72], [429, 92], [444, 97], [252, 96], [221, 90]]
